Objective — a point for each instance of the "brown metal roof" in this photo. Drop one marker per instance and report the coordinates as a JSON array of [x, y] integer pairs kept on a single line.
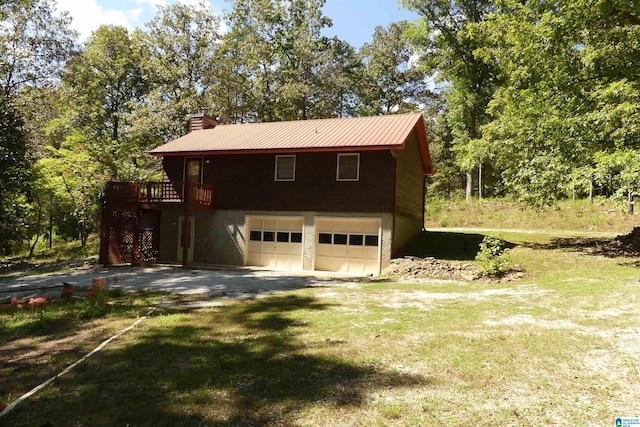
[[337, 134]]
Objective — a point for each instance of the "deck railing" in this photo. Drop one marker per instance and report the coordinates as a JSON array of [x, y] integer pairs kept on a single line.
[[198, 195]]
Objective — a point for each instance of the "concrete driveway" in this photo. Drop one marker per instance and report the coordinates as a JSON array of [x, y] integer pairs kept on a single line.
[[231, 283]]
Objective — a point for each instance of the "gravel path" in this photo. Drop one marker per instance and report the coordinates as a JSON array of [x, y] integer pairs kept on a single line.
[[233, 283]]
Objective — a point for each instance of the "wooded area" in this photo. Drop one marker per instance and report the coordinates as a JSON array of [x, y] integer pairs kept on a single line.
[[537, 100]]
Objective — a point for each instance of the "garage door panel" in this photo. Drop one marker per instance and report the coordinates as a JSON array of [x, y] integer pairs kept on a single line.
[[268, 260], [268, 248], [339, 251], [348, 245], [371, 266], [323, 251], [355, 252], [369, 252], [254, 259], [269, 223], [371, 228], [355, 267], [276, 247], [282, 249]]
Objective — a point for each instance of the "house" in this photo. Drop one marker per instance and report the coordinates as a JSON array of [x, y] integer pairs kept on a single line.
[[340, 194]]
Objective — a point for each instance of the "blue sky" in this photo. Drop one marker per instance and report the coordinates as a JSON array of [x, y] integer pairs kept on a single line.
[[353, 20]]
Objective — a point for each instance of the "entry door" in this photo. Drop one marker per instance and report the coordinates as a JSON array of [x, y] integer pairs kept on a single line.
[[348, 245], [192, 236]]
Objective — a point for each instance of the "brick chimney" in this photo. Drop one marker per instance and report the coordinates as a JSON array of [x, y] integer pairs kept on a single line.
[[202, 121]]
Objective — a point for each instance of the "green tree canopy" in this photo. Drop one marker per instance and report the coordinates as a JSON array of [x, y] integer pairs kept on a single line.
[[390, 82], [448, 52], [105, 88], [179, 60], [14, 177], [35, 43], [570, 89]]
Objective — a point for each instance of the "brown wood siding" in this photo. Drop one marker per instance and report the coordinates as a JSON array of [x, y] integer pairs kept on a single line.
[[410, 179], [246, 182], [173, 169]]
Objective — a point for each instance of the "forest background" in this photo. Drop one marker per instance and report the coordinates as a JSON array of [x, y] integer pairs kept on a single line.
[[535, 101]]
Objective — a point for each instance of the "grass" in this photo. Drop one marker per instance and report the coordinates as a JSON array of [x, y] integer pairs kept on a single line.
[[602, 215], [47, 260], [559, 346]]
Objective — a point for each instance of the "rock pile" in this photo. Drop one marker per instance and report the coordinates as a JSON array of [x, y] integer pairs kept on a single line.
[[430, 268], [626, 245]]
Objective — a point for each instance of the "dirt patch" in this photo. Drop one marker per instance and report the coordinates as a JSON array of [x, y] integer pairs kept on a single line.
[[431, 268], [40, 350], [626, 245]]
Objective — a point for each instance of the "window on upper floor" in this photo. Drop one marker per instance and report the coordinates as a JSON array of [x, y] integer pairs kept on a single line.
[[285, 168], [193, 169], [348, 167]]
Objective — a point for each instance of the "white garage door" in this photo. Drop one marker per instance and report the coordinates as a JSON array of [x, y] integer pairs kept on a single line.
[[275, 242], [348, 245]]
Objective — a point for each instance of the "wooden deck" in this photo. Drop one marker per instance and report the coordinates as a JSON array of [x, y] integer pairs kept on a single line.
[[158, 194]]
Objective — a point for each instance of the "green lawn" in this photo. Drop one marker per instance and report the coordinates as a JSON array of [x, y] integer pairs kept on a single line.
[[560, 346]]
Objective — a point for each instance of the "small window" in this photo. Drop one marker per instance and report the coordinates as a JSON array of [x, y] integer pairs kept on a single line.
[[348, 167], [285, 168], [296, 237], [339, 239], [283, 237], [268, 236], [371, 240], [193, 170], [356, 239], [324, 238], [256, 236]]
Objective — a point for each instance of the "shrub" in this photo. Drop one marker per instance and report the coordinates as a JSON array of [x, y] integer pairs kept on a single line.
[[493, 256], [94, 305]]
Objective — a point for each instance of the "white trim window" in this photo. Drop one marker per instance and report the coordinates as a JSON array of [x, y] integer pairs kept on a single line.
[[348, 168], [285, 168]]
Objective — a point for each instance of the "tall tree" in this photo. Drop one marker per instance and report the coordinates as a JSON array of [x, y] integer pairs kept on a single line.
[[303, 53], [253, 45], [448, 52], [180, 54], [293, 71], [105, 87], [571, 94], [390, 83], [232, 91], [336, 95], [35, 42], [14, 177]]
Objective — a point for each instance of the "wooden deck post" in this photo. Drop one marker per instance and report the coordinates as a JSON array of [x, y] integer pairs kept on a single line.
[[105, 227], [186, 228]]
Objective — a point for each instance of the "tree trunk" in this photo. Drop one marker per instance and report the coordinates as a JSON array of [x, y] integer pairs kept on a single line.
[[33, 247], [50, 222], [83, 234], [469, 190], [480, 192], [591, 192]]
